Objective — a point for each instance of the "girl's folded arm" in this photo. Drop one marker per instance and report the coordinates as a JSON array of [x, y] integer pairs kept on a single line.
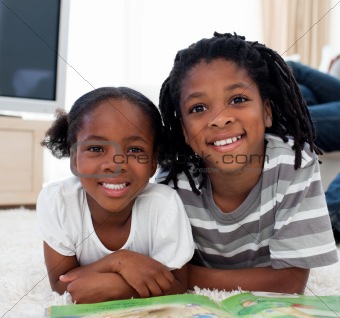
[[57, 265], [144, 274], [92, 287]]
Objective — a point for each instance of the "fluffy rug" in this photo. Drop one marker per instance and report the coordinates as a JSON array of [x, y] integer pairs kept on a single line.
[[24, 285]]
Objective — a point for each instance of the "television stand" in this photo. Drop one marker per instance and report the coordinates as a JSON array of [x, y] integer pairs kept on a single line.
[[21, 160]]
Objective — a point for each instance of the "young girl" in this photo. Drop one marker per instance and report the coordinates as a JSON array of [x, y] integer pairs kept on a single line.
[[98, 225], [241, 154]]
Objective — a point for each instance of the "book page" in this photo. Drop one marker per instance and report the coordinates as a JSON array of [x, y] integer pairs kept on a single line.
[[173, 306], [282, 305]]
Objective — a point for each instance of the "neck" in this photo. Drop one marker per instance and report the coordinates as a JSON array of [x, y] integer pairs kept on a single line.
[[106, 218], [229, 190]]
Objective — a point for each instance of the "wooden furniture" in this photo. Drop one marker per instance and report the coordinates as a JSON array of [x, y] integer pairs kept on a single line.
[[21, 160]]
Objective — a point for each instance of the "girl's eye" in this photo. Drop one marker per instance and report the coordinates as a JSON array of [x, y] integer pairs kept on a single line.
[[198, 109], [238, 100], [95, 149], [135, 150]]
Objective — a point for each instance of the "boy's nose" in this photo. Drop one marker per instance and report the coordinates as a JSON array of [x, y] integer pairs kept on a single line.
[[221, 118]]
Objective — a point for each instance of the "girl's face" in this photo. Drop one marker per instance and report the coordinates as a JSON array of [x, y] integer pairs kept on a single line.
[[223, 116], [114, 158]]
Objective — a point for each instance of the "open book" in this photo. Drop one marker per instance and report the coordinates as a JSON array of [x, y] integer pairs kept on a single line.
[[256, 304]]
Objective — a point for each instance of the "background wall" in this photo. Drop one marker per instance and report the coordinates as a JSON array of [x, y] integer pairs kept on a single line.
[[133, 43], [335, 25], [333, 48]]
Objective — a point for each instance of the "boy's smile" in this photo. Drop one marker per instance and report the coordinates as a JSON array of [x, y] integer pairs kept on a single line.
[[114, 158], [223, 115]]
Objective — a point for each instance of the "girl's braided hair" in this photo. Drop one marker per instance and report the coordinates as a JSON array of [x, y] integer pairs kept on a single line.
[[62, 135], [268, 71]]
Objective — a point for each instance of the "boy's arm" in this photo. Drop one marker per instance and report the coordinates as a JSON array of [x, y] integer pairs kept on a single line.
[[180, 284], [290, 280]]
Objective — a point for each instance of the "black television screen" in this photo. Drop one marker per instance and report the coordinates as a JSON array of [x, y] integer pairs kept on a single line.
[[33, 37]]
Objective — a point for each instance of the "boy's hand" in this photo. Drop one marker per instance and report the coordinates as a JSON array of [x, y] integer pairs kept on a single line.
[[146, 275]]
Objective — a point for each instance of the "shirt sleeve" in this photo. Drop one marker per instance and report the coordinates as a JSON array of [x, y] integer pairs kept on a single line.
[[302, 233], [53, 220], [173, 243]]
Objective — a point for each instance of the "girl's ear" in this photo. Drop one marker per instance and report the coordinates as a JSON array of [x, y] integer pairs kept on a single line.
[[268, 116], [73, 160]]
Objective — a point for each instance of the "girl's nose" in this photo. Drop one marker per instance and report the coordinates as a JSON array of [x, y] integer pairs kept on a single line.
[[114, 162]]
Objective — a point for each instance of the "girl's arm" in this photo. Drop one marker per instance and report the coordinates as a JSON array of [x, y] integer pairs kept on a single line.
[[58, 265], [148, 276], [93, 287], [290, 280], [89, 286], [145, 275]]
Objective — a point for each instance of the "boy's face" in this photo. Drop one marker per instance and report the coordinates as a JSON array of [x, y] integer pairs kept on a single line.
[[114, 155], [223, 116]]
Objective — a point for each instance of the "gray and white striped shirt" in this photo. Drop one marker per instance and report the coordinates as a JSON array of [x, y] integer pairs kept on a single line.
[[284, 221]]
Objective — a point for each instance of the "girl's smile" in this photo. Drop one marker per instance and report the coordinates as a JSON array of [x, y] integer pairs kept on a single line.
[[223, 115], [115, 188]]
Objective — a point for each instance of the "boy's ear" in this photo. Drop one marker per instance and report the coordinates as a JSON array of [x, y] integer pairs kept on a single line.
[[185, 134], [268, 116]]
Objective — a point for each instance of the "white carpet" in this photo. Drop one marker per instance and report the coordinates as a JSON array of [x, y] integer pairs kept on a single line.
[[24, 286]]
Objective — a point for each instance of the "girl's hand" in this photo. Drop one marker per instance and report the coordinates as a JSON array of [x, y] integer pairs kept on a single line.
[[146, 275], [74, 274], [92, 287]]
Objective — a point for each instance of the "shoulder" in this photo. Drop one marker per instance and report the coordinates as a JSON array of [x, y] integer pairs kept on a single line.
[[159, 198], [60, 214], [64, 191], [66, 185], [278, 151], [62, 203], [183, 181], [282, 182], [155, 190], [279, 167]]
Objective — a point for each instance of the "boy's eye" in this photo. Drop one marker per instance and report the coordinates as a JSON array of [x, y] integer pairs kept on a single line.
[[198, 109], [135, 150], [238, 100]]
